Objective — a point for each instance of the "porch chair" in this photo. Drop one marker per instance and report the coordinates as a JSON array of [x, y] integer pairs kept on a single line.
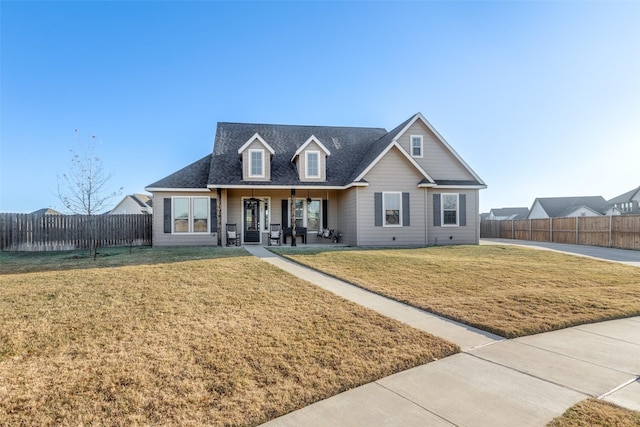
[[275, 233], [233, 237]]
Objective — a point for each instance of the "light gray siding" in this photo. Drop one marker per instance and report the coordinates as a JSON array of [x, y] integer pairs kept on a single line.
[[392, 173], [469, 234], [437, 160], [160, 238], [347, 215]]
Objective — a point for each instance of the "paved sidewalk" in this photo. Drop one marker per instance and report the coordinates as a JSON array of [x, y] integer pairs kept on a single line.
[[493, 382], [624, 256]]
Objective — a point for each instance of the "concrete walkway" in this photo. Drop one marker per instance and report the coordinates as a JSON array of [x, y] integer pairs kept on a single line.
[[493, 382]]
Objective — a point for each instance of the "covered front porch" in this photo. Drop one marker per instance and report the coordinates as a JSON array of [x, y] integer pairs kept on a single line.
[[264, 216]]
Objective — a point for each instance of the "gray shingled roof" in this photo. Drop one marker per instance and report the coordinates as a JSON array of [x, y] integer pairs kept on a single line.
[[512, 213], [196, 175], [626, 197], [352, 150], [347, 145], [557, 207]]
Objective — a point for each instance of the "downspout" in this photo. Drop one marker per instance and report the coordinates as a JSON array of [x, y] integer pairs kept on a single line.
[[426, 222]]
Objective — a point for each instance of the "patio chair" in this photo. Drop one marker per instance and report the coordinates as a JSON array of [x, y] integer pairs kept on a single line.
[[233, 236], [274, 234]]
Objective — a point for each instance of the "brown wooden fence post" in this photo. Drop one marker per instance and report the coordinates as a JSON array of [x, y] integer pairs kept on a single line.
[[610, 230]]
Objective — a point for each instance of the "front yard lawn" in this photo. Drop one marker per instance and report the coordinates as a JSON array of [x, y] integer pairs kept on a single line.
[[506, 290], [223, 341], [594, 412]]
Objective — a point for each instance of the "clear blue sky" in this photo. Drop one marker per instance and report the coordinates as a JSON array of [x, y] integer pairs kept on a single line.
[[542, 99]]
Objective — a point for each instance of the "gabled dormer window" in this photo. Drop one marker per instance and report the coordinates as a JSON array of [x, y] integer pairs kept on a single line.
[[255, 156], [256, 166], [311, 160], [416, 146], [312, 164]]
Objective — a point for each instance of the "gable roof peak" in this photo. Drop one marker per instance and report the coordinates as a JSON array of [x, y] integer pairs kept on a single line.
[[311, 139], [260, 139]]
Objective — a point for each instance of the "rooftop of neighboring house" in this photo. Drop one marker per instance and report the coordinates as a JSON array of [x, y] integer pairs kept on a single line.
[[557, 207], [46, 211], [626, 197], [510, 213]]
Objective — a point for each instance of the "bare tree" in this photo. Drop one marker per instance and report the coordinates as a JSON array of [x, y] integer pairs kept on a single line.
[[84, 189]]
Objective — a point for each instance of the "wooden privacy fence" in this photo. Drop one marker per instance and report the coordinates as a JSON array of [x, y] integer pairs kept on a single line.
[[621, 231], [28, 232]]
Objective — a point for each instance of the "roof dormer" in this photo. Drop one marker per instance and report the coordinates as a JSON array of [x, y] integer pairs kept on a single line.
[[256, 156], [311, 160]]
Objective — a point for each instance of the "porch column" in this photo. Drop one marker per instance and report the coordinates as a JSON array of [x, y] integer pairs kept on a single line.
[[293, 217], [219, 192]]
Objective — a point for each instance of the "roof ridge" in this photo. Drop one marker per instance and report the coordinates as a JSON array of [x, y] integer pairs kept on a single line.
[[301, 126]]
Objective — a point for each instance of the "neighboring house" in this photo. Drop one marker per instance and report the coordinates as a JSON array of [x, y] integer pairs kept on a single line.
[[133, 204], [560, 207], [46, 211], [377, 188], [508, 213], [628, 203]]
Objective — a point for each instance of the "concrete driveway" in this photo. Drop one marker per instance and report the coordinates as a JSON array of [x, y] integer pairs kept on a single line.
[[624, 256]]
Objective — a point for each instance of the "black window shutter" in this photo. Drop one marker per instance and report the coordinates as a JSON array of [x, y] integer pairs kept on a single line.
[[167, 215], [436, 210], [325, 214], [214, 215], [462, 210], [378, 209], [405, 210], [285, 213]]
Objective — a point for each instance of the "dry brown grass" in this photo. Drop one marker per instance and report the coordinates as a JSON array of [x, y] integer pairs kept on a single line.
[[593, 413], [502, 289], [230, 341]]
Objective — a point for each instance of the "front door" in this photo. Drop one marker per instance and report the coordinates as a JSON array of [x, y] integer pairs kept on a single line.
[[251, 221]]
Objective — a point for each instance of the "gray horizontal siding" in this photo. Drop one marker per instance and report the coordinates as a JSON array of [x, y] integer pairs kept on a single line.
[[392, 173], [455, 235], [160, 238], [437, 160]]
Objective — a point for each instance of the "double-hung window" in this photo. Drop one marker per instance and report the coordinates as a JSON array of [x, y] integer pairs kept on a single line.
[[190, 214], [256, 163], [450, 209], [312, 168], [308, 213], [392, 208], [416, 145]]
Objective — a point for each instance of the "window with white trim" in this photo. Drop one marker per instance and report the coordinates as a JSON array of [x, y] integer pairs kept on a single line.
[[190, 214], [392, 209], [450, 204], [308, 214], [312, 164], [416, 146], [256, 163]]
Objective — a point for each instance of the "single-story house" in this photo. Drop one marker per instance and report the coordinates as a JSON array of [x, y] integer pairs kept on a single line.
[[500, 214], [133, 204], [370, 186], [561, 207]]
